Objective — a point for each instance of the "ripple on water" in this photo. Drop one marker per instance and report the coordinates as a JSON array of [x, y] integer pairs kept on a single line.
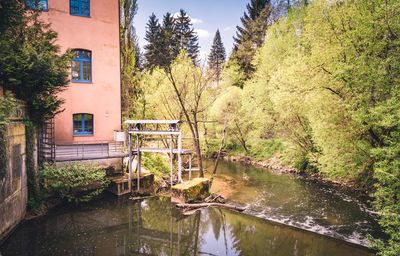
[[301, 203]]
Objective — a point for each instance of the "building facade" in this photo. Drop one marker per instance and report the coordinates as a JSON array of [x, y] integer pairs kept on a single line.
[[90, 28]]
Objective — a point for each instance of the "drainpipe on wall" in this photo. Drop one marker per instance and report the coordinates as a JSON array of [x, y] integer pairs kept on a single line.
[[119, 52]]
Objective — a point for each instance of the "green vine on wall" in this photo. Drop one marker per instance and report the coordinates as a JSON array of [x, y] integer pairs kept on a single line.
[[30, 159]]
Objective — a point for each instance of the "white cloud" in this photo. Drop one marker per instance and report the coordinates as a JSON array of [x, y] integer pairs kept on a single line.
[[196, 21], [202, 33]]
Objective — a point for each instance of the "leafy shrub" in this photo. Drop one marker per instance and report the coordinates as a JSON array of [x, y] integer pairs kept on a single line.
[[155, 164], [74, 182], [303, 165]]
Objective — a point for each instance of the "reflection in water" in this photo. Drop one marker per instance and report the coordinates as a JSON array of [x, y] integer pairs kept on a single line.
[[296, 201], [152, 227]]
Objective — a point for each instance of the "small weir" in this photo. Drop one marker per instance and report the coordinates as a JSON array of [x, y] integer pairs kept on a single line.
[[143, 183]]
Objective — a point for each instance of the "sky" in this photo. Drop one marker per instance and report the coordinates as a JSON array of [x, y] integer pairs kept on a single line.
[[207, 16]]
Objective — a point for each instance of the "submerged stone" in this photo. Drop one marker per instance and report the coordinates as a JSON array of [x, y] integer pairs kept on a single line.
[[196, 189]]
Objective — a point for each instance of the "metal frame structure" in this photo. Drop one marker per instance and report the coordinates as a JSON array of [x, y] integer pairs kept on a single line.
[[46, 142], [138, 128]]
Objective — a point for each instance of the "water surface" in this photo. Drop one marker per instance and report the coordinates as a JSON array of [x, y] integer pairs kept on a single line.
[[296, 201], [119, 226]]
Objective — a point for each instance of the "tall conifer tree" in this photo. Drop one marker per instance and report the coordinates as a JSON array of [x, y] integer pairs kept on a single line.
[[217, 56], [251, 35], [186, 37], [168, 41], [130, 54], [153, 37]]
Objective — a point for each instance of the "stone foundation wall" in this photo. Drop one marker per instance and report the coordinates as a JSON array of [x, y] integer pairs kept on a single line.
[[13, 186]]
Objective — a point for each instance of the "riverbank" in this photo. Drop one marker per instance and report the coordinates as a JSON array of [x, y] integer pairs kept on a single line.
[[275, 165]]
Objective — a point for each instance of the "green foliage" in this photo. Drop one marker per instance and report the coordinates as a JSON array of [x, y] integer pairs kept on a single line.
[[7, 106], [326, 82], [74, 182], [262, 149], [155, 164], [34, 204], [30, 63], [130, 61], [303, 165], [31, 170]]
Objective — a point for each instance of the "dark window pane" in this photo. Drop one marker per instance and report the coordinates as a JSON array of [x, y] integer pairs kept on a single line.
[[77, 54], [77, 123], [80, 7], [86, 71], [85, 7], [76, 70], [74, 6], [43, 4], [39, 5], [86, 54], [88, 123]]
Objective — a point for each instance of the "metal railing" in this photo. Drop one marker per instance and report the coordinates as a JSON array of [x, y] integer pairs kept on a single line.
[[89, 150]]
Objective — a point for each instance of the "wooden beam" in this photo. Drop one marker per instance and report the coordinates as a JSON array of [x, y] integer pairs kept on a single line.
[[152, 121], [148, 132]]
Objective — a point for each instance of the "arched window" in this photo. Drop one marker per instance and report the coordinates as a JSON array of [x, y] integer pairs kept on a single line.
[[82, 66], [83, 124]]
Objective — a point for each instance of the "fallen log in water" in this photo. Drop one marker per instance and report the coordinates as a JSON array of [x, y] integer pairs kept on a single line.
[[229, 206], [140, 197]]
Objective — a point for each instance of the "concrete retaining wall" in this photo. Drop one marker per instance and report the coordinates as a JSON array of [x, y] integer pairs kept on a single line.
[[13, 187]]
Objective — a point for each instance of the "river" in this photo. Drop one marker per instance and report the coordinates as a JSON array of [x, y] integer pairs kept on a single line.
[[297, 201], [120, 226]]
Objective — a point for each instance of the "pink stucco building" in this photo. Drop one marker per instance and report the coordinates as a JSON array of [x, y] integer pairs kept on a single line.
[[93, 99]]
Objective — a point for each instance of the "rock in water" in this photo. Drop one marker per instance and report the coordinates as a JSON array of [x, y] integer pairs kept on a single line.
[[196, 189]]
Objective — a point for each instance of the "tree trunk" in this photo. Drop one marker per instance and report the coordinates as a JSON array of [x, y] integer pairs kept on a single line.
[[229, 206], [197, 145], [241, 137], [220, 149], [195, 136]]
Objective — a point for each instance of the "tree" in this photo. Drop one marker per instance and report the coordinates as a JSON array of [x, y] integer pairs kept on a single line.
[[186, 37], [251, 36], [180, 91], [165, 42], [153, 38], [130, 55], [168, 41], [30, 64], [217, 56]]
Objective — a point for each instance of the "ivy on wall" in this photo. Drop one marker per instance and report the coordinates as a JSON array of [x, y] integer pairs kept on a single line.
[[30, 159]]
